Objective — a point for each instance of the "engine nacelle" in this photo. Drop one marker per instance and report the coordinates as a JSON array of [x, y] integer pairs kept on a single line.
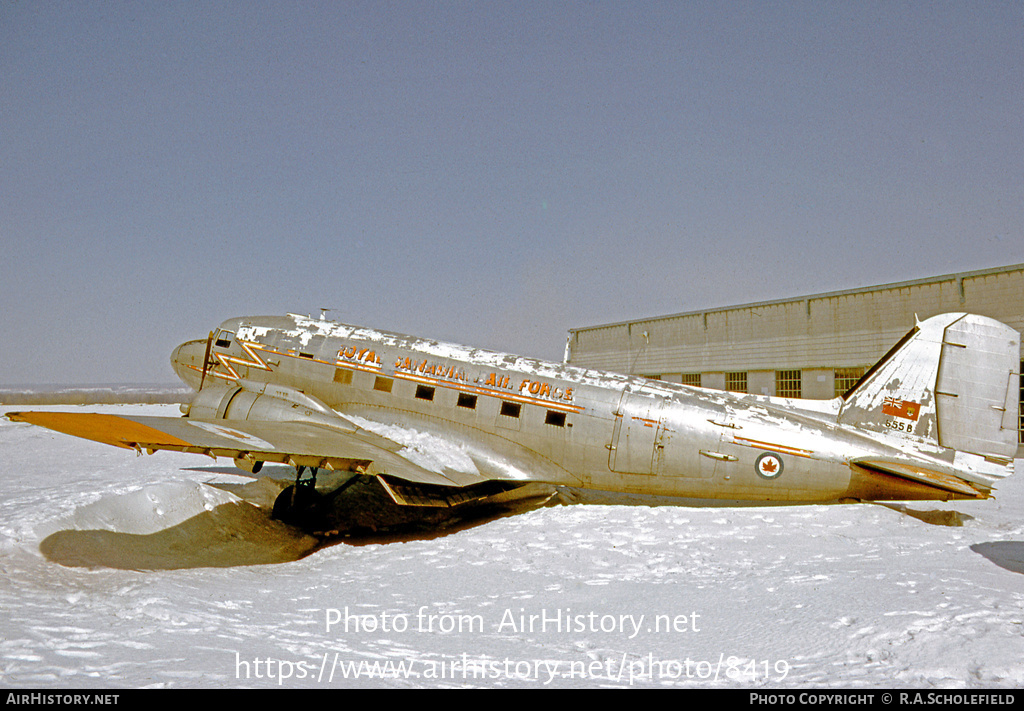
[[263, 403], [259, 401], [256, 402]]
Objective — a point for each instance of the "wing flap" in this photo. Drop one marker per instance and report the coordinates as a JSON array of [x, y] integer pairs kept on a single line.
[[407, 494]]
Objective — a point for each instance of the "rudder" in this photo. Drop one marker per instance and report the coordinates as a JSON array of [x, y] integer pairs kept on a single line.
[[977, 387]]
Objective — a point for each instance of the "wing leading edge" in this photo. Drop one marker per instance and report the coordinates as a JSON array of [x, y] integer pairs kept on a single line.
[[293, 443]]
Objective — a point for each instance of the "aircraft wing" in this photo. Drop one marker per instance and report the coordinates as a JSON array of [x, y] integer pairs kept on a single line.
[[411, 455]]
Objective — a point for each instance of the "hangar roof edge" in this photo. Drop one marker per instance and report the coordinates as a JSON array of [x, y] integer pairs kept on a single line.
[[797, 299]]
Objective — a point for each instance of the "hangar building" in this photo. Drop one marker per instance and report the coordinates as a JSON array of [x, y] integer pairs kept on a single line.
[[809, 346]]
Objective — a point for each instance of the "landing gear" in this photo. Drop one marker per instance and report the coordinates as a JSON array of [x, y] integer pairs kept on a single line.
[[298, 503], [350, 502]]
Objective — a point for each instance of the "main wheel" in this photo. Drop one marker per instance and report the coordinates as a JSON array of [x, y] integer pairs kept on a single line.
[[296, 505]]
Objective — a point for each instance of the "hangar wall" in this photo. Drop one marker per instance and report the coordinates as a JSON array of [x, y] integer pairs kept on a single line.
[[809, 346]]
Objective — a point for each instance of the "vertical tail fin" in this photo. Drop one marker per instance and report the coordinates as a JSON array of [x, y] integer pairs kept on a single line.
[[952, 380]]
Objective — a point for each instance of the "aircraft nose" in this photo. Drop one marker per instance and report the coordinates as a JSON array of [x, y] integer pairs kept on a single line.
[[187, 361]]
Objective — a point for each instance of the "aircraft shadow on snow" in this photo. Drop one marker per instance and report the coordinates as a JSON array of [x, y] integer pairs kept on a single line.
[[1006, 554], [242, 533]]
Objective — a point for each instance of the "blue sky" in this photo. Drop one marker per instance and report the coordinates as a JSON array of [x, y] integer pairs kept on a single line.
[[491, 173]]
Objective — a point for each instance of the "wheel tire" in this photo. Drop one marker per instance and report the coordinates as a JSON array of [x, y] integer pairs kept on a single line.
[[296, 505]]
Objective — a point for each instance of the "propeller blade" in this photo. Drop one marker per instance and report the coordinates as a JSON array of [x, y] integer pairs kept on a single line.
[[206, 359]]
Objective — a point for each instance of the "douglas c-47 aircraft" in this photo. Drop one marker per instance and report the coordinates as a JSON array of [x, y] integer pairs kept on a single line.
[[432, 428]]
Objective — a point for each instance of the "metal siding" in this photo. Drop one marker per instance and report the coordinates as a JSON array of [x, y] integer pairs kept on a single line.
[[835, 330]]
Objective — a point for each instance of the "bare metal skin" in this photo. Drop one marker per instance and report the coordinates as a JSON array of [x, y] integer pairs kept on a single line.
[[437, 425]]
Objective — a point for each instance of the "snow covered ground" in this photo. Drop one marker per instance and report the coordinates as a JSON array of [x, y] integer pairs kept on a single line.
[[125, 571]]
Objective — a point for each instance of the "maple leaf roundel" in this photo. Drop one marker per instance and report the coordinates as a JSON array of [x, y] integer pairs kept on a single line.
[[769, 465]]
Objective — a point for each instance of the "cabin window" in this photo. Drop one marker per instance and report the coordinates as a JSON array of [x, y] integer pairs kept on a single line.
[[466, 400], [555, 418], [383, 384], [510, 409], [224, 339], [424, 392]]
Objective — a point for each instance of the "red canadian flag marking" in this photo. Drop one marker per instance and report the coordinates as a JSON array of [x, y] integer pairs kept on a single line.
[[907, 409]]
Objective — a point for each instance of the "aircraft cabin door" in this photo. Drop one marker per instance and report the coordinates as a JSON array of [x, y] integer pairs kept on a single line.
[[637, 433], [690, 439]]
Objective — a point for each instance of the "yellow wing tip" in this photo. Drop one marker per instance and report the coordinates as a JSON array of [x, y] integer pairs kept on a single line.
[[108, 429]]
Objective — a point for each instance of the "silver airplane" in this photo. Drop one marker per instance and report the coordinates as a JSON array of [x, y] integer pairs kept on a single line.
[[424, 428]]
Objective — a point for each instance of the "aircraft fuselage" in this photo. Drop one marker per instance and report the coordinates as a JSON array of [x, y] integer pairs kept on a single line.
[[582, 428]]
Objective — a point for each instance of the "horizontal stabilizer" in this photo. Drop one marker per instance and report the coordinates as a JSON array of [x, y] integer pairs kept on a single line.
[[930, 477]]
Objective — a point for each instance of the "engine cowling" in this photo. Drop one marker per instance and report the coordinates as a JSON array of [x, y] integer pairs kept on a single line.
[[260, 402]]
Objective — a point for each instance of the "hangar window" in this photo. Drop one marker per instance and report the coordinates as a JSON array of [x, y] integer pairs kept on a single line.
[[424, 392], [691, 379], [846, 378], [736, 382], [510, 409], [787, 383], [383, 384], [1020, 429], [466, 400], [342, 376], [555, 418]]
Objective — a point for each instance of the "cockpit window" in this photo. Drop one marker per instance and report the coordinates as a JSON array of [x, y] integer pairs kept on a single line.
[[224, 339]]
